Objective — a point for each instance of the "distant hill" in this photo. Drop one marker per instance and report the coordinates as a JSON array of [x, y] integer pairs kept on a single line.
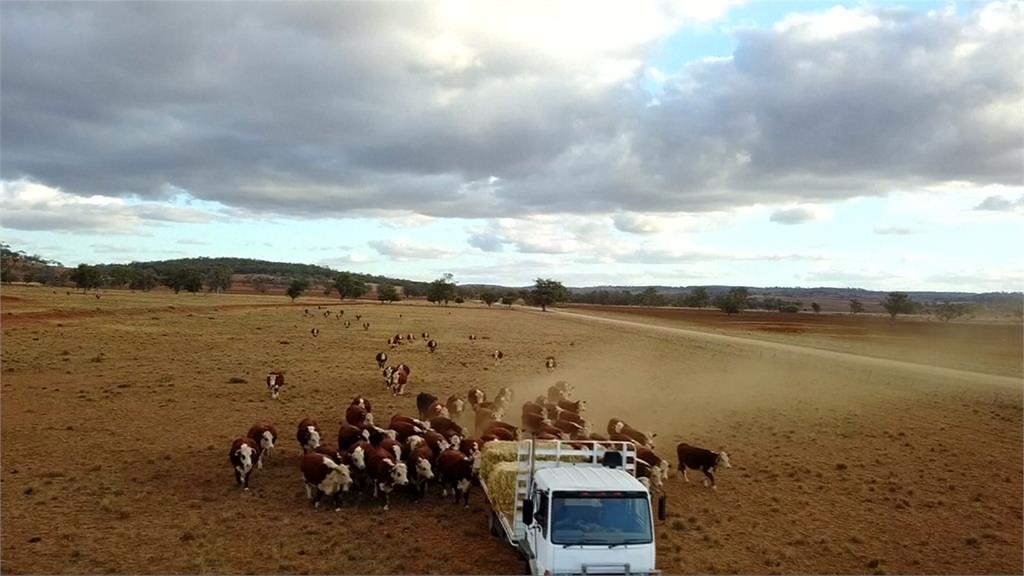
[[18, 266]]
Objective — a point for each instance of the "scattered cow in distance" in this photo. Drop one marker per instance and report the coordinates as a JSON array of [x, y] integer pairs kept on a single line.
[[550, 363], [432, 345], [275, 380], [382, 357]]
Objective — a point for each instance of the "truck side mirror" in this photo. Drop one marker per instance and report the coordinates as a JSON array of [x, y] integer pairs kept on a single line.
[[527, 512], [662, 507]]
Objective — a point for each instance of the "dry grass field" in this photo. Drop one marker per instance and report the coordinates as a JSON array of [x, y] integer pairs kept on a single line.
[[117, 415]]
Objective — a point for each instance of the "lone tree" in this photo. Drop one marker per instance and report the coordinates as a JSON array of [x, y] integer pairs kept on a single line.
[[442, 290], [489, 297], [509, 299], [697, 298], [387, 293], [856, 306], [547, 292], [897, 303], [732, 301], [188, 279], [86, 277], [348, 286], [296, 288], [816, 307]]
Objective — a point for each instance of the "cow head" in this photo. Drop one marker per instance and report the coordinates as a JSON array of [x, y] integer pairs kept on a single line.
[[423, 470], [646, 482], [314, 437], [414, 442], [267, 440], [244, 455], [338, 480], [443, 445], [399, 474], [454, 441], [397, 449], [359, 458], [723, 460], [389, 433], [456, 405], [619, 425]]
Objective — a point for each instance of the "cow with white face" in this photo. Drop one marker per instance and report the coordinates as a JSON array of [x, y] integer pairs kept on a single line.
[[324, 477], [265, 435], [242, 457], [419, 461], [386, 473], [308, 435], [275, 381]]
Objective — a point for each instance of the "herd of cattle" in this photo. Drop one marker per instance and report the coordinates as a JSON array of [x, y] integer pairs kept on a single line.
[[413, 452]]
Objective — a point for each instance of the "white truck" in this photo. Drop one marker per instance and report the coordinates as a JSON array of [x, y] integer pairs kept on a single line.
[[578, 510]]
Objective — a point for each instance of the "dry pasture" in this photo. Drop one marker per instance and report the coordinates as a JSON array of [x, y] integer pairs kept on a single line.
[[117, 414]]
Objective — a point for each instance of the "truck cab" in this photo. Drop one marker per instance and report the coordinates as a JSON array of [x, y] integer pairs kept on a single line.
[[589, 520], [576, 508]]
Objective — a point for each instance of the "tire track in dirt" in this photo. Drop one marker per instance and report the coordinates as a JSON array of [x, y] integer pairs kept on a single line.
[[919, 369]]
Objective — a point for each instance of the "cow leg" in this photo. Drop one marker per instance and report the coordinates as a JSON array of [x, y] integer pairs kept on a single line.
[[316, 497], [709, 475], [387, 501], [682, 469], [309, 492]]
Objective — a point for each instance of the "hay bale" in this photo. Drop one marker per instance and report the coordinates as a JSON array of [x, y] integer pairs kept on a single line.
[[495, 453], [502, 486]]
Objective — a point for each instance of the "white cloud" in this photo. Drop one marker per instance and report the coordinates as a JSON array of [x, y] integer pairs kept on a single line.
[[29, 205], [403, 249], [636, 223], [829, 25]]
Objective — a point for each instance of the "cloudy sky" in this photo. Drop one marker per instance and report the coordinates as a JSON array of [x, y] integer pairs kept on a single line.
[[760, 144]]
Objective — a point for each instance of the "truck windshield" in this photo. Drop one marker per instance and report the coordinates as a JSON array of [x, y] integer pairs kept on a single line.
[[600, 518]]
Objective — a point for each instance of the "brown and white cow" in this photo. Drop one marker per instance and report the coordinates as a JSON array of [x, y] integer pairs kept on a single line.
[[265, 435], [358, 416], [275, 381], [425, 335], [420, 463], [455, 471], [382, 358], [364, 404], [576, 407], [498, 355], [431, 344], [455, 406], [424, 400], [550, 363], [437, 441], [315, 332], [533, 422], [570, 429], [386, 473], [324, 477], [349, 436], [447, 427], [476, 397], [308, 434], [485, 415], [701, 459], [242, 457], [652, 467]]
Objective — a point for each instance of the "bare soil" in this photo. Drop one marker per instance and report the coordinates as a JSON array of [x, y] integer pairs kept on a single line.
[[116, 423]]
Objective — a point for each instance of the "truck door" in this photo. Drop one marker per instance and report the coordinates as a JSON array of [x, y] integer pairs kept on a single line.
[[538, 532]]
